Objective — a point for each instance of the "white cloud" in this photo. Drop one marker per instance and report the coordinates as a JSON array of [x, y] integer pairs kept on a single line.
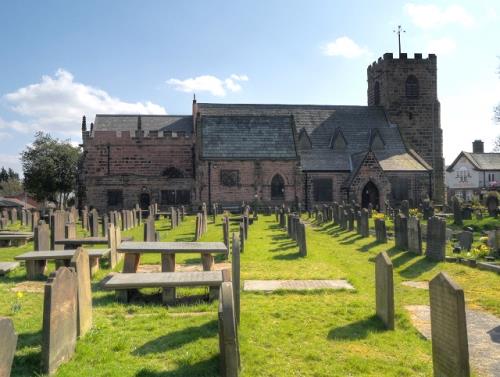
[[428, 16], [345, 47], [57, 104], [441, 46], [11, 161], [209, 83]]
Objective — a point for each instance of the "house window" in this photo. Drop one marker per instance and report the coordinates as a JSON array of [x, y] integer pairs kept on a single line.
[[229, 178], [277, 188], [175, 197], [376, 93], [322, 190], [115, 197], [412, 90], [491, 177]]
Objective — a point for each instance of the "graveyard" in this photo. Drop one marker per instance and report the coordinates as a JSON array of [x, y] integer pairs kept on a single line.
[[301, 329]]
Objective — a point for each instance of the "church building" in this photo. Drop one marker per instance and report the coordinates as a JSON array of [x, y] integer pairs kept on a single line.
[[264, 154]]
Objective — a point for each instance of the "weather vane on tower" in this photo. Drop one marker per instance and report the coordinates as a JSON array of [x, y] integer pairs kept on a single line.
[[399, 31]]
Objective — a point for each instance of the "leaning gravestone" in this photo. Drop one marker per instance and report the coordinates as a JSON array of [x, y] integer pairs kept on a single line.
[[59, 319], [80, 262], [8, 342], [384, 290], [465, 239], [364, 223], [228, 334], [436, 239], [450, 351], [414, 235]]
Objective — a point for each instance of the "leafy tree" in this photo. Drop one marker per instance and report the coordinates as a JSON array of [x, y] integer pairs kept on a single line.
[[50, 168], [10, 184]]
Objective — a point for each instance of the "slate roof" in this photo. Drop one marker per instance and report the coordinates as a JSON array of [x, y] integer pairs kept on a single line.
[[320, 122], [12, 202], [481, 161], [165, 123], [247, 137]]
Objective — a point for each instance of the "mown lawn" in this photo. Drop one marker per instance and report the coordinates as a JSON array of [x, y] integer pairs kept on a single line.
[[282, 334]]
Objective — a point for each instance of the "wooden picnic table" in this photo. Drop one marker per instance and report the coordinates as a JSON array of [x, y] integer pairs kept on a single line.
[[133, 251]]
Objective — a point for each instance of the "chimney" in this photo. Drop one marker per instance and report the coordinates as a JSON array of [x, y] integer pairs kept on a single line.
[[477, 146]]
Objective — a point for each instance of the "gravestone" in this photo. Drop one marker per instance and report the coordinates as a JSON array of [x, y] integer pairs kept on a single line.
[[70, 231], [414, 235], [242, 238], [364, 223], [80, 263], [457, 211], [228, 334], [58, 223], [112, 245], [450, 351], [13, 215], [29, 220], [350, 220], [301, 238], [427, 209], [8, 342], [436, 239], [384, 290], [225, 230], [465, 240], [149, 230], [104, 224], [23, 217], [380, 231], [59, 319], [85, 219], [358, 222], [401, 231], [405, 208], [235, 276], [41, 237], [94, 223]]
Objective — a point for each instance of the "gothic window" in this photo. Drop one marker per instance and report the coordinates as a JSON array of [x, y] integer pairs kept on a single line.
[[277, 188], [172, 172], [376, 93], [322, 190], [412, 90], [229, 178], [115, 197]]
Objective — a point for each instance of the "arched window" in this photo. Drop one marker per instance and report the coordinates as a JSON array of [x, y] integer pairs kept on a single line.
[[376, 93], [277, 188], [412, 87]]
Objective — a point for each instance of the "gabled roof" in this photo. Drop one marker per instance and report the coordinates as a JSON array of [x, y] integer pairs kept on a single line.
[[304, 141], [247, 137], [320, 122], [480, 161], [165, 123], [338, 141]]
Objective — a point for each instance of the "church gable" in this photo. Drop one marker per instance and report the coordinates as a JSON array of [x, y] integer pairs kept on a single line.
[[376, 140], [304, 140], [338, 141]]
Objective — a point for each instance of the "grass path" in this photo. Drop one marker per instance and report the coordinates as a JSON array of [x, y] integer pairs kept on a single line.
[[321, 333]]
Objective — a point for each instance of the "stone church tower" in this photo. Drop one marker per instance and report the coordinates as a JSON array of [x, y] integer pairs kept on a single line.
[[407, 90]]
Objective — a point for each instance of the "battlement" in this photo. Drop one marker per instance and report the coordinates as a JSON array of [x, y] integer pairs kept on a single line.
[[388, 58], [136, 134]]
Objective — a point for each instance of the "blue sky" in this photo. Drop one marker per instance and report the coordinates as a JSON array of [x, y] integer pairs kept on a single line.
[[60, 60]]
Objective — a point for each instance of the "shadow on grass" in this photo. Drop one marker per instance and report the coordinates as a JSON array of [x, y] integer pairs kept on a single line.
[[284, 247], [203, 368], [402, 258], [357, 330], [289, 256], [418, 268], [27, 364], [177, 339]]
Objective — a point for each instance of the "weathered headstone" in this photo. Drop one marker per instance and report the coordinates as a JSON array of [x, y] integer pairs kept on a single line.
[[59, 319], [235, 271], [450, 351], [380, 230], [149, 230], [414, 235], [242, 238], [465, 240], [301, 239], [405, 208], [8, 343], [228, 334], [58, 222], [457, 211], [80, 262], [364, 223], [401, 231], [436, 239], [94, 223], [384, 289], [70, 231], [104, 224]]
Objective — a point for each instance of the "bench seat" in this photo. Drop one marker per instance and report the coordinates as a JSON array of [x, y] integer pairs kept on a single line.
[[124, 282]]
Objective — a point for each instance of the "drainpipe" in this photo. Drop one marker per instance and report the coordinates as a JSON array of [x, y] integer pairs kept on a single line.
[[209, 184]]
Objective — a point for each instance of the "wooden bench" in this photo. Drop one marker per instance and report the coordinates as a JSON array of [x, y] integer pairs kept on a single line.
[[36, 261], [125, 283]]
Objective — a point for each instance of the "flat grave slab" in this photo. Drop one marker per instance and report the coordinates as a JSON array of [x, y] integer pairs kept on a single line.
[[172, 247], [60, 254], [295, 285], [7, 266], [483, 333], [164, 279], [416, 284]]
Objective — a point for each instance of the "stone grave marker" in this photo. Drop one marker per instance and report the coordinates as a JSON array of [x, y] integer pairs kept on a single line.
[[235, 275], [104, 224], [457, 211], [80, 263], [465, 240], [405, 208], [8, 342], [380, 231], [364, 223], [59, 319], [401, 231], [149, 230], [450, 350], [414, 235], [301, 238], [228, 334], [94, 223], [242, 238], [436, 239], [384, 290], [70, 231], [58, 223]]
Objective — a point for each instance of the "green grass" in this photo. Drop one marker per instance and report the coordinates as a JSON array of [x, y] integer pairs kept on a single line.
[[282, 334]]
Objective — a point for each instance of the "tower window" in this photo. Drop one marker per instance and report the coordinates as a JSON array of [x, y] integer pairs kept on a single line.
[[412, 87], [376, 93]]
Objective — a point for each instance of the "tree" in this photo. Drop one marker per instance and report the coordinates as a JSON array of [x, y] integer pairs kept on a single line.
[[10, 184], [50, 168]]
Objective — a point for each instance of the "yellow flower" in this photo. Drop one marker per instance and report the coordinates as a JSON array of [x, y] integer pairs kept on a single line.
[[20, 294]]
